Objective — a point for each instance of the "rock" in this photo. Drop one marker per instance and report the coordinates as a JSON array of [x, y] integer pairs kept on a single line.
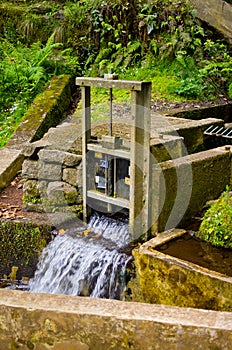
[[62, 157], [29, 148], [70, 176], [50, 171], [61, 193], [30, 169], [31, 190]]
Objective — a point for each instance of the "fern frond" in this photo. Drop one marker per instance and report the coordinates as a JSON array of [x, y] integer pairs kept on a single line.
[[103, 54], [133, 46]]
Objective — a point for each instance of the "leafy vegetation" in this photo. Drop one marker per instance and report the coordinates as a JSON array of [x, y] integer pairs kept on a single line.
[[160, 41], [23, 74], [216, 226]]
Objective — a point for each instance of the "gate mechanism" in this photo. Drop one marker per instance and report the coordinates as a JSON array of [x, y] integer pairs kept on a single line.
[[116, 174]]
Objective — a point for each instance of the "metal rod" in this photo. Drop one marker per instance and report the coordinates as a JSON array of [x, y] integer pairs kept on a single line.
[[111, 112], [208, 130], [218, 132], [214, 131], [224, 132], [115, 177], [229, 133]]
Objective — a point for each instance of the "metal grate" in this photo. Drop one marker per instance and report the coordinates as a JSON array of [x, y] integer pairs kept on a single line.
[[219, 131]]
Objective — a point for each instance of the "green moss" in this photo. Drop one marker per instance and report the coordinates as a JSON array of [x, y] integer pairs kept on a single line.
[[27, 23], [47, 110], [165, 280], [53, 103], [20, 242], [30, 199]]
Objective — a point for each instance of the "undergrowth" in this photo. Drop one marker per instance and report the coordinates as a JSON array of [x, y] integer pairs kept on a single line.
[[24, 73], [216, 226], [159, 41]]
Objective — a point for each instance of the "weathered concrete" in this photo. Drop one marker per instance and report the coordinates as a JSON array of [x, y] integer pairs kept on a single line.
[[42, 322], [185, 184], [10, 163], [222, 111], [192, 132], [46, 111], [164, 279], [216, 13]]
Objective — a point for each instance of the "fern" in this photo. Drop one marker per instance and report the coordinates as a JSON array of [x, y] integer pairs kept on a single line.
[[42, 54], [133, 47], [103, 54], [119, 59]]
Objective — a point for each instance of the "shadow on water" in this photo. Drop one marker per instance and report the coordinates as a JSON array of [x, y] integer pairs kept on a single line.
[[190, 248]]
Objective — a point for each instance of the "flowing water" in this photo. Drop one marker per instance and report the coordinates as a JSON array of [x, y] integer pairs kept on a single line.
[[89, 265]]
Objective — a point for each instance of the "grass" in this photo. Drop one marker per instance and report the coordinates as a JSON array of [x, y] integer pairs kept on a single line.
[[165, 80], [9, 120]]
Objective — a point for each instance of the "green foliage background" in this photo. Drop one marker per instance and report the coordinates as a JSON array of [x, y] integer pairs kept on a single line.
[[160, 41]]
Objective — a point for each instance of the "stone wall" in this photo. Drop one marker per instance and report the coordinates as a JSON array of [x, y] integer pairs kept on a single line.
[[53, 180], [48, 109], [58, 322]]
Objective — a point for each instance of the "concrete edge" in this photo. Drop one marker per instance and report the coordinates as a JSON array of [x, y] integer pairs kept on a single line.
[[11, 161], [116, 309]]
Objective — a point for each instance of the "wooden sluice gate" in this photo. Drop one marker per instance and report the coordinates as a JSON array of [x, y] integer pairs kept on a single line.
[[116, 175]]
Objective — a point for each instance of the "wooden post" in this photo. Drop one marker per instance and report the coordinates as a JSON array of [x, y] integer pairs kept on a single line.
[[86, 136], [140, 213], [139, 204]]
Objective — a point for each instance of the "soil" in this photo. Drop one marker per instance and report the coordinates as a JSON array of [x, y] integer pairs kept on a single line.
[[11, 207], [160, 106]]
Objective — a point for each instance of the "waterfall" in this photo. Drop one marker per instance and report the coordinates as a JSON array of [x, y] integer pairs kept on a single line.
[[92, 265]]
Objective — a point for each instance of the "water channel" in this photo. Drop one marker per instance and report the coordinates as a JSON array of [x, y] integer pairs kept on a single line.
[[93, 263], [97, 262]]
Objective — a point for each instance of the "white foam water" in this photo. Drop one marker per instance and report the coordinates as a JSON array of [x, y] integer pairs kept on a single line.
[[93, 265]]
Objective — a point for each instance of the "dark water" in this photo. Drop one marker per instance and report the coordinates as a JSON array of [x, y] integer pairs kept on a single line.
[[190, 248]]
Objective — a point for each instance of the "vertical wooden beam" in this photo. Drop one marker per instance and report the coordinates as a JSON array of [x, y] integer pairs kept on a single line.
[[140, 187], [86, 135]]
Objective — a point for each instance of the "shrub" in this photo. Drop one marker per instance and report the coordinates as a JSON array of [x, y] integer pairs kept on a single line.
[[216, 226], [230, 90]]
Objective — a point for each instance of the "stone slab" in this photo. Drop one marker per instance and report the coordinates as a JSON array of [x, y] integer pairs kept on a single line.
[[50, 321], [10, 163]]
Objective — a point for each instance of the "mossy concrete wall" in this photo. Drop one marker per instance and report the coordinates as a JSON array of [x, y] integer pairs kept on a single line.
[[58, 322], [47, 110], [192, 132], [182, 186], [223, 111], [21, 244], [163, 279]]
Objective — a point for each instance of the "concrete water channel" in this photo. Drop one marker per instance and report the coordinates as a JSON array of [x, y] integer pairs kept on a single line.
[[182, 171]]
